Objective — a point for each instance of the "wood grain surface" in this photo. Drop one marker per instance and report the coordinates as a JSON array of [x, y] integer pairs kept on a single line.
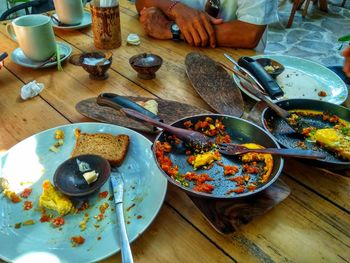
[[311, 225]]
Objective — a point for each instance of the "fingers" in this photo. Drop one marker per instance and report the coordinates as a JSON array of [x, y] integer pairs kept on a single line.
[[202, 33], [215, 21], [209, 30]]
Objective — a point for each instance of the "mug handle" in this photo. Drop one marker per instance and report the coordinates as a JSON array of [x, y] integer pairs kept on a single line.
[[10, 31]]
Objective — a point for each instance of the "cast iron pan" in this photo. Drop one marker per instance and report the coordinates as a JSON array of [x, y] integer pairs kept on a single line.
[[241, 131], [289, 139]]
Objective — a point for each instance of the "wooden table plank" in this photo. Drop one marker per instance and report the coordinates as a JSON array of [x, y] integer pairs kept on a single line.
[[304, 222], [20, 119], [330, 185], [163, 242]]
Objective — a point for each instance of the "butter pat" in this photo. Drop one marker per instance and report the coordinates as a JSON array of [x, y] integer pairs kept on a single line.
[[90, 177]]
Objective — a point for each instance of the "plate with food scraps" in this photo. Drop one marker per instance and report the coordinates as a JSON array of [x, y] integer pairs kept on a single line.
[[89, 233], [305, 79]]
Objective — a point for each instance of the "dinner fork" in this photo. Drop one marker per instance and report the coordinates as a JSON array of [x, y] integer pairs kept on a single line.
[[118, 192], [236, 149]]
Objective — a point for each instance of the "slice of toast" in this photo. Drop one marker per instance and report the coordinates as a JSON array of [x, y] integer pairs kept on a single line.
[[111, 147]]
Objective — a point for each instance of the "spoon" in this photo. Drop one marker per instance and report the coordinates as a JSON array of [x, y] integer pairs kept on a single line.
[[236, 149], [193, 137], [51, 59], [59, 23]]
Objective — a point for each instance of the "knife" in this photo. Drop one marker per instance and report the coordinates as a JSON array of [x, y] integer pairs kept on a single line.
[[269, 84], [117, 184], [117, 102]]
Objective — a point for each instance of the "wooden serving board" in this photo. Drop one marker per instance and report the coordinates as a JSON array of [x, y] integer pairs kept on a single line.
[[169, 111], [214, 84], [228, 216]]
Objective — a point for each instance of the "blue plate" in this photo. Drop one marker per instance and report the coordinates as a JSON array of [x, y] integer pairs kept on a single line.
[[30, 162], [19, 58], [305, 79]]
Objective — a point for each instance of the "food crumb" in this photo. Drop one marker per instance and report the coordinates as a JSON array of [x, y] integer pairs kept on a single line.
[[98, 238], [139, 217], [77, 240], [322, 93]]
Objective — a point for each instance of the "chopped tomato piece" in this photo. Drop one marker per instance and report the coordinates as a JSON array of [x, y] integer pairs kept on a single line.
[[58, 221], [77, 240], [27, 205], [206, 188], [230, 170], [103, 194], [26, 193]]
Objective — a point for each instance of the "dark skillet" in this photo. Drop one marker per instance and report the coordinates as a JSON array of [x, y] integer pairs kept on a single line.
[[289, 139], [241, 131]]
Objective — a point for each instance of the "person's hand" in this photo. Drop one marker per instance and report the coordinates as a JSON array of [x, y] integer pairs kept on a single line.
[[155, 23], [346, 67], [196, 26], [1, 64]]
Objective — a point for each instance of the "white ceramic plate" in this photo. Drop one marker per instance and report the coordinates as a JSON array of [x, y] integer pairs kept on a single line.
[[86, 21], [19, 58], [31, 161], [304, 79]]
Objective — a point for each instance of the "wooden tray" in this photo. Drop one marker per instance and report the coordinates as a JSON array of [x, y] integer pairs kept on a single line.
[[228, 216], [214, 84], [169, 111]]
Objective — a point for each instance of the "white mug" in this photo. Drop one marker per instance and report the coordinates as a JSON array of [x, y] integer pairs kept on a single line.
[[34, 35], [69, 12]]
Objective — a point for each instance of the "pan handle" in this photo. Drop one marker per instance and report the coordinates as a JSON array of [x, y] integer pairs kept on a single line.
[[117, 102], [181, 133]]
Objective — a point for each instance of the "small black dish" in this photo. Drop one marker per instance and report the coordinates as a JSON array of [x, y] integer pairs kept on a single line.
[[277, 68], [146, 65], [69, 180]]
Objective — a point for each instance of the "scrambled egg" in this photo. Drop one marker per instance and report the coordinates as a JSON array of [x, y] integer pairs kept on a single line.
[[54, 200], [205, 159], [254, 157], [333, 140]]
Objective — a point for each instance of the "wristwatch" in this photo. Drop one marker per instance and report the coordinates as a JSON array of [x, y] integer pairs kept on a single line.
[[175, 30]]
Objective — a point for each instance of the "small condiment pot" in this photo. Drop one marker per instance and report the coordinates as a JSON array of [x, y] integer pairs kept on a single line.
[[96, 63]]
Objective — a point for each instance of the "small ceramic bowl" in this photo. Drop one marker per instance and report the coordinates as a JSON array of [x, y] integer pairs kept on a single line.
[[96, 63], [69, 180], [272, 67], [146, 65]]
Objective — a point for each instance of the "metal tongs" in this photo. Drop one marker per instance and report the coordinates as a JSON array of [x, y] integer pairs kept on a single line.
[[270, 87]]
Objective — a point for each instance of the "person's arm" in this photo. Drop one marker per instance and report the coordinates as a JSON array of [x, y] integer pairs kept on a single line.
[[238, 34], [196, 26], [346, 67], [163, 5]]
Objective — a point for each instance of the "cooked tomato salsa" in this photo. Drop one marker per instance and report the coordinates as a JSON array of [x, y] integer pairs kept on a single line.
[[254, 170]]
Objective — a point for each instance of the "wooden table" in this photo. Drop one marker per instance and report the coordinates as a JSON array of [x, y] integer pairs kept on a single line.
[[311, 225]]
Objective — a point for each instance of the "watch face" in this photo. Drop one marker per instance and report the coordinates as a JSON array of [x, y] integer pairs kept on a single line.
[[175, 27]]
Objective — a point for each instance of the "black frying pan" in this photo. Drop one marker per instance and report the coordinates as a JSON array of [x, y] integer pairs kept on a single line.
[[241, 131], [289, 139]]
